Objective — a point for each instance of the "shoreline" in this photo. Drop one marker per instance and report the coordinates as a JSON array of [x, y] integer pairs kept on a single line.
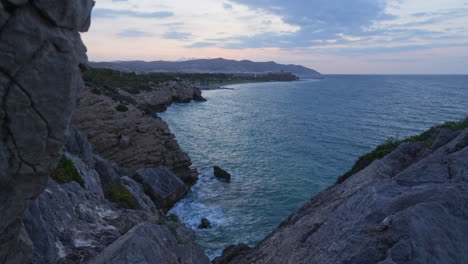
[[222, 86]]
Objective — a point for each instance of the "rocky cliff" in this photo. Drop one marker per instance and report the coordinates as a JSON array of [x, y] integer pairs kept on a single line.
[[40, 57], [124, 128], [408, 207], [95, 212]]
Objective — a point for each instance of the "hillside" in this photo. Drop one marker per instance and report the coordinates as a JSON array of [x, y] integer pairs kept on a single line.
[[208, 66]]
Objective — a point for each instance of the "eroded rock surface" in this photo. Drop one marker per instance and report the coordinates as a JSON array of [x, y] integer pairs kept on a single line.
[[130, 138], [150, 243], [73, 223], [40, 56], [409, 207], [162, 186]]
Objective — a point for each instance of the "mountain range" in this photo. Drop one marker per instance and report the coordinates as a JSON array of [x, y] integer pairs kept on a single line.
[[208, 66]]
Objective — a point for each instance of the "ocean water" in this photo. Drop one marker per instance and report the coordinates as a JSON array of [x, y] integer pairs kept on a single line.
[[285, 142]]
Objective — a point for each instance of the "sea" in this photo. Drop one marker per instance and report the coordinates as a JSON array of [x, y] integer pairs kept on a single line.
[[285, 142]]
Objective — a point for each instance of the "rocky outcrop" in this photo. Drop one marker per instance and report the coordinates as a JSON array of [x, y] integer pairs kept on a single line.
[[74, 223], [162, 186], [130, 138], [409, 207], [221, 174], [40, 56], [204, 223], [150, 243], [230, 253], [165, 94]]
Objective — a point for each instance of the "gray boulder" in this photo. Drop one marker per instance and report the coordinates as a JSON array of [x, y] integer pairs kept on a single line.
[[230, 253], [137, 191], [162, 186], [77, 144], [39, 81], [408, 207], [150, 243]]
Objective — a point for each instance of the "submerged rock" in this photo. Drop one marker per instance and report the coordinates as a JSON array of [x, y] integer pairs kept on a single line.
[[204, 223], [405, 208], [222, 174]]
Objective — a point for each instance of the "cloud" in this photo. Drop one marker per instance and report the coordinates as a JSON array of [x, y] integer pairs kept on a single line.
[[201, 45], [227, 6], [133, 33], [111, 13], [177, 35]]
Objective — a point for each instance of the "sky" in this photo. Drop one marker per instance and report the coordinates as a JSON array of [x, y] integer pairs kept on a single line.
[[331, 36]]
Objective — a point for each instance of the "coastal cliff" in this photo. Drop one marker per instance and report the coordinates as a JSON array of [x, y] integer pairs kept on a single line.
[[41, 53], [89, 209], [126, 135], [408, 206]]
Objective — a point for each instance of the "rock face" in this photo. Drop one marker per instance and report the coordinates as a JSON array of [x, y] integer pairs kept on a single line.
[[409, 207], [230, 253], [40, 56], [131, 138], [149, 243], [73, 223], [165, 94], [222, 174], [162, 186]]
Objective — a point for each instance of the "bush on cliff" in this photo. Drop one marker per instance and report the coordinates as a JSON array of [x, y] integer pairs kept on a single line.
[[391, 144], [66, 172], [120, 195]]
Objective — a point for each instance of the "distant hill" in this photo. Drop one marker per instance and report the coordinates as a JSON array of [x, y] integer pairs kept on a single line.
[[208, 66]]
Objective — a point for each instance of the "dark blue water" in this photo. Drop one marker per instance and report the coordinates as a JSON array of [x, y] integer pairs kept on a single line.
[[285, 142]]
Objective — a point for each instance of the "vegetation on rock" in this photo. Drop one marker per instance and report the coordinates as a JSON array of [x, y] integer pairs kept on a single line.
[[135, 83], [391, 144], [120, 195], [66, 172]]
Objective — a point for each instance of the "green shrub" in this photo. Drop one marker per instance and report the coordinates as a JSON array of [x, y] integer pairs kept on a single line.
[[378, 153], [66, 172], [391, 144], [122, 196], [121, 108]]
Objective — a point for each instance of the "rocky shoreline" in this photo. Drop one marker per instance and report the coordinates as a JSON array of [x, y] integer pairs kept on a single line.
[[88, 171]]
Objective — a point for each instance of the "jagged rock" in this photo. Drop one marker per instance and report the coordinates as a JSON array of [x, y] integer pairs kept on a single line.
[[92, 181], [222, 174], [66, 220], [443, 136], [149, 243], [78, 145], [108, 174], [405, 208], [74, 15], [230, 253], [163, 95], [197, 95], [204, 223], [39, 81], [137, 191], [148, 141], [162, 186]]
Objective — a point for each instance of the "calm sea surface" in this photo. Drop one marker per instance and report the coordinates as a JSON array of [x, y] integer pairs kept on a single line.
[[285, 142]]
